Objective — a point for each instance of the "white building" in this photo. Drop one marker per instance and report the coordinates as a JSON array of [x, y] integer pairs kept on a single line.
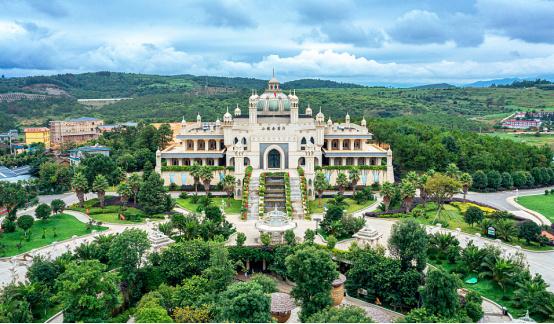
[[272, 134]]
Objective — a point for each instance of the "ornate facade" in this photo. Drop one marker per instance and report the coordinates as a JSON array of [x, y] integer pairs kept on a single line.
[[274, 135]]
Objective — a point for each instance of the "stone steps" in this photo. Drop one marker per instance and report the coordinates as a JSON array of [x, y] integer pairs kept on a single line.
[[253, 198], [296, 196]]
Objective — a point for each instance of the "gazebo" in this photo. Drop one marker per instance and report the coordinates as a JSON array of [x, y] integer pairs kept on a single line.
[[281, 306], [337, 294], [276, 224], [367, 236]]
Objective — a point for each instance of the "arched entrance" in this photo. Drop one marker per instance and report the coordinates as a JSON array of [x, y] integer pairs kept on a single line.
[[274, 159]]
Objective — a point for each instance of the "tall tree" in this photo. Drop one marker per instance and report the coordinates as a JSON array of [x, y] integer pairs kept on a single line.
[[354, 177], [388, 191], [126, 253], [313, 271], [152, 195], [206, 176], [229, 187], [196, 173], [25, 222], [125, 192], [342, 182], [87, 292], [341, 314], [320, 184], [407, 193], [165, 135], [409, 242], [245, 302], [12, 197], [81, 187], [99, 186], [440, 294], [135, 182], [441, 188], [466, 180]]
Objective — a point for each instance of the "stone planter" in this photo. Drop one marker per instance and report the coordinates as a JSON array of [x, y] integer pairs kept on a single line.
[[281, 306], [337, 293]]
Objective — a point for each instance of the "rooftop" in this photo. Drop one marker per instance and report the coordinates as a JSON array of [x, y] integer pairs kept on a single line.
[[82, 119]]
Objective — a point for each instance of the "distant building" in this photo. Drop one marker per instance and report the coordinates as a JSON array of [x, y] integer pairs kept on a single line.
[[115, 127], [521, 123], [77, 130], [9, 136], [15, 174], [75, 155], [37, 135]]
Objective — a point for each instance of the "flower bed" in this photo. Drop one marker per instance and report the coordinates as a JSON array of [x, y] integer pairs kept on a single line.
[[245, 188], [304, 190], [288, 202], [261, 195]]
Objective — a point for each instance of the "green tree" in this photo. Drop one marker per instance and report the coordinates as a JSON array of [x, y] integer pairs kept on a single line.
[[498, 270], [532, 295], [408, 242], [407, 193], [354, 177], [152, 195], [320, 184], [125, 192], [441, 188], [439, 294], [149, 310], [126, 253], [184, 259], [206, 176], [25, 222], [165, 135], [58, 206], [99, 186], [473, 215], [43, 211], [135, 182], [453, 171], [529, 231], [507, 181], [505, 229], [313, 271], [14, 306], [81, 187], [387, 191], [480, 180], [342, 182], [241, 238], [245, 302], [12, 197], [466, 180], [342, 314], [519, 179], [86, 292], [290, 237], [196, 173], [494, 179], [221, 271], [99, 164], [229, 187], [268, 284]]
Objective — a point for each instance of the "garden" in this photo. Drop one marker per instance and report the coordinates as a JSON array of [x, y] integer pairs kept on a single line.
[[112, 212], [55, 228], [192, 203]]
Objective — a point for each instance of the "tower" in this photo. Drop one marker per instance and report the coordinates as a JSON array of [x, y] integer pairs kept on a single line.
[[237, 111], [252, 112], [293, 108], [198, 120]]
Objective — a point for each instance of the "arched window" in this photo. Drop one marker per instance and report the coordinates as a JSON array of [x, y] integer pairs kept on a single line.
[[335, 144], [243, 141], [246, 161], [212, 145], [338, 161], [312, 140], [349, 161], [201, 145], [303, 142], [357, 144], [190, 145], [346, 144], [236, 140], [302, 161], [361, 161]]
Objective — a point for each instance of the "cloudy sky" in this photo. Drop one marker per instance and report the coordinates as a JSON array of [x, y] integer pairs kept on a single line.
[[370, 42]]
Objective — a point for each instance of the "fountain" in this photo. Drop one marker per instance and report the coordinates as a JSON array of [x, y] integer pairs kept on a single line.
[[367, 236], [276, 224]]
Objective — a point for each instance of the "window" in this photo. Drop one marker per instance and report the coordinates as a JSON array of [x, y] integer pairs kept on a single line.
[[338, 161]]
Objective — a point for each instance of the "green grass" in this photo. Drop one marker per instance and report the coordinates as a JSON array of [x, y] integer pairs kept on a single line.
[[453, 216], [352, 205], [541, 203], [530, 139], [234, 207], [65, 227], [487, 288], [108, 214]]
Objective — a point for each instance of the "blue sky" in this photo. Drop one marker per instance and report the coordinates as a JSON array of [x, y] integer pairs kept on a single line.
[[370, 42]]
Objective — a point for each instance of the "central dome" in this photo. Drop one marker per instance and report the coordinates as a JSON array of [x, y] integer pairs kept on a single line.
[[273, 101]]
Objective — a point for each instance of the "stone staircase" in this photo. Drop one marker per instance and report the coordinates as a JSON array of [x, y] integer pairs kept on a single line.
[[253, 198], [296, 195]]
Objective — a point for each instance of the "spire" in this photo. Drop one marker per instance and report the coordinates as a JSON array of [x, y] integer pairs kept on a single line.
[[294, 92], [228, 108], [273, 72]]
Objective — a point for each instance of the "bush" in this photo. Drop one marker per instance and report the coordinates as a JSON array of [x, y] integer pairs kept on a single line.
[[43, 211], [546, 192], [183, 195], [133, 215], [8, 226], [331, 242]]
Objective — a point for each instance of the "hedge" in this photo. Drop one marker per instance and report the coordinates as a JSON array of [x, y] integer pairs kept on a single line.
[[189, 167]]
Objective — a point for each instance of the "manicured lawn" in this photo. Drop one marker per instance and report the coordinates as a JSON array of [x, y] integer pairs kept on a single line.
[[234, 207], [453, 216], [541, 203], [352, 205], [487, 288], [108, 214], [65, 226]]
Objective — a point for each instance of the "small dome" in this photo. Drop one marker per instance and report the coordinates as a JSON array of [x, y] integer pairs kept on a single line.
[[198, 118], [227, 116], [217, 122], [329, 121], [237, 111], [363, 123], [183, 121], [320, 116], [309, 111]]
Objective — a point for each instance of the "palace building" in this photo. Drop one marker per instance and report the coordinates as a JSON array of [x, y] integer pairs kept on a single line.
[[273, 135]]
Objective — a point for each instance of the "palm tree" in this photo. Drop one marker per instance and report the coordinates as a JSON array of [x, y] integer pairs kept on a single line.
[[466, 181], [229, 186], [124, 191], [354, 177], [196, 173], [342, 182], [452, 171], [505, 228], [407, 191], [532, 295], [387, 191], [135, 181], [472, 257], [320, 184], [206, 175], [498, 270], [80, 185], [99, 186]]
